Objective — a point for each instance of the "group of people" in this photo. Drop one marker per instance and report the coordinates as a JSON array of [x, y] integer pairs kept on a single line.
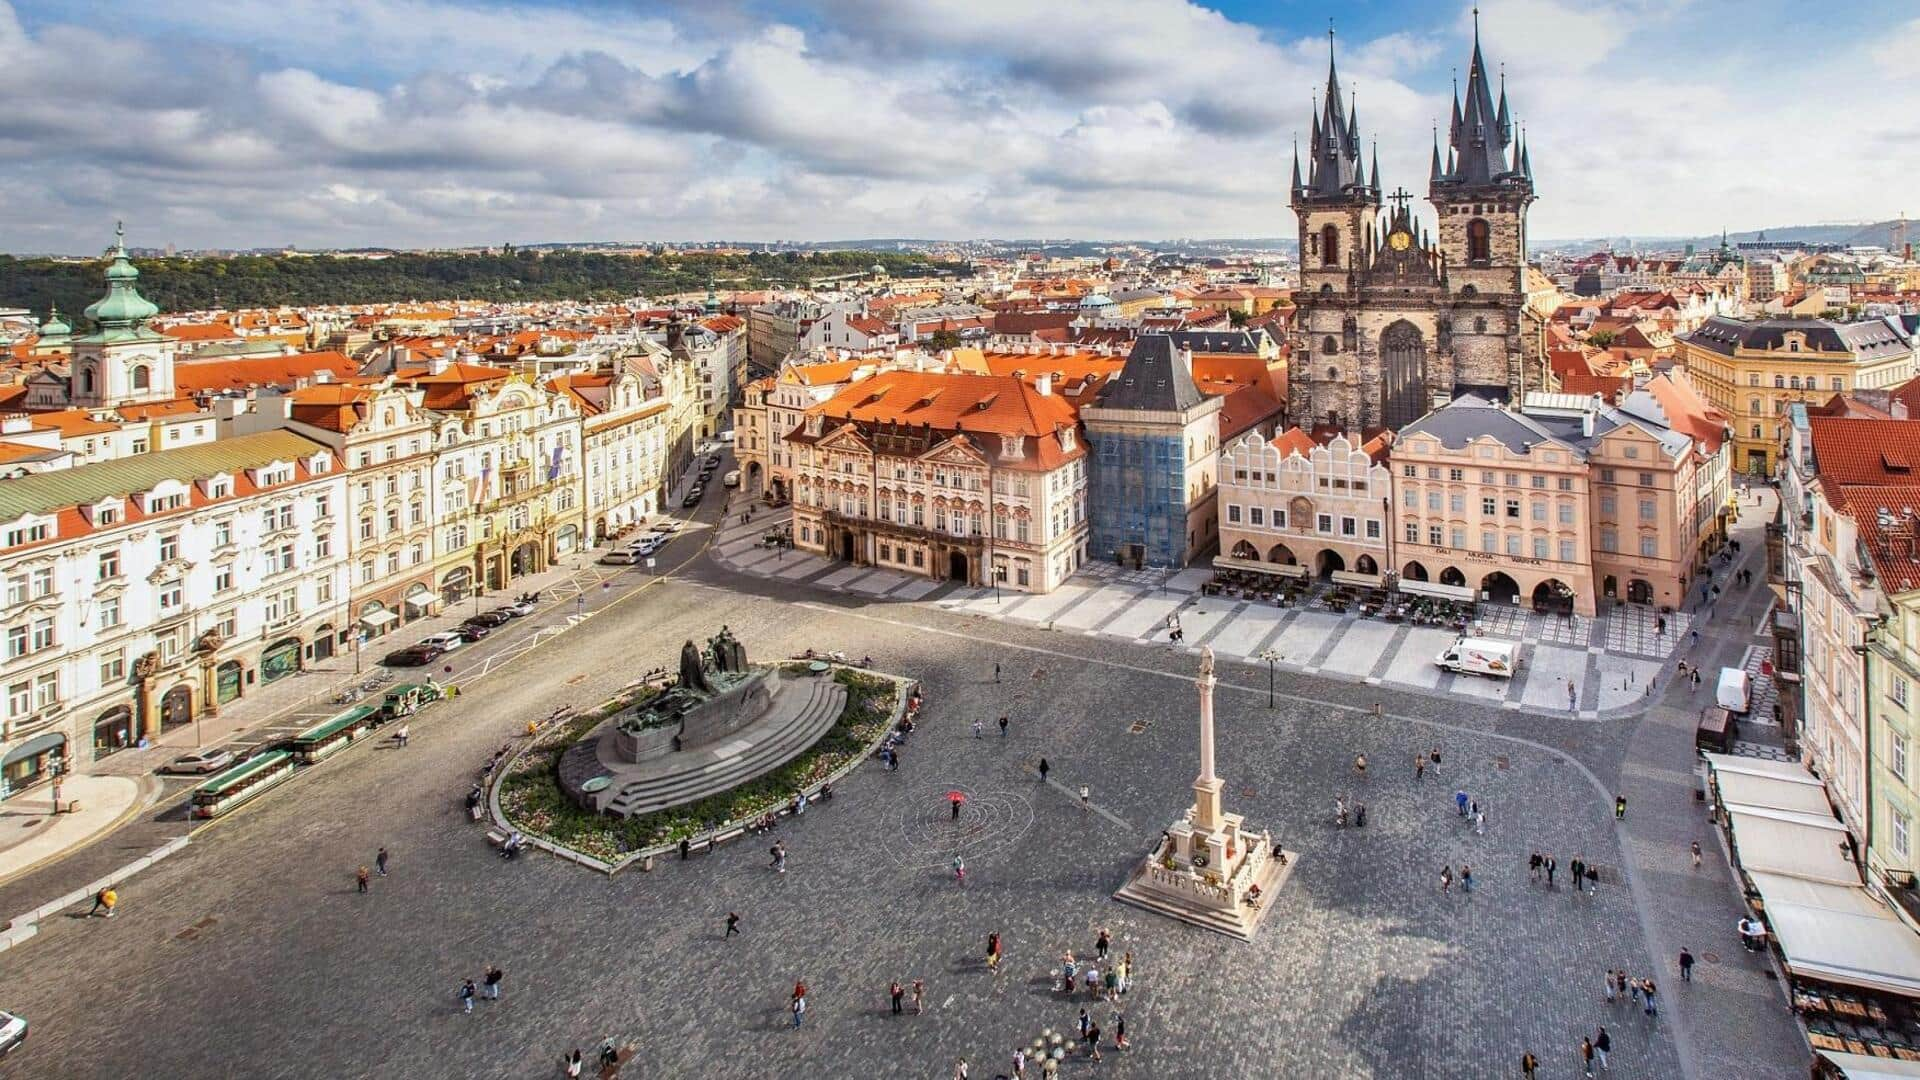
[[1342, 814], [489, 988], [1584, 876], [1689, 674], [1644, 994]]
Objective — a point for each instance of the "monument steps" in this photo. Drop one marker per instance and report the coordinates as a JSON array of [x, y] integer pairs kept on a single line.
[[773, 743]]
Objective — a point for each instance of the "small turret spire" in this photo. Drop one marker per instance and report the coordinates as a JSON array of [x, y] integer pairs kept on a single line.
[[1433, 171], [1376, 167]]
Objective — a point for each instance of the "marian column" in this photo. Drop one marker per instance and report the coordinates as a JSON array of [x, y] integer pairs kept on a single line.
[[1206, 789]]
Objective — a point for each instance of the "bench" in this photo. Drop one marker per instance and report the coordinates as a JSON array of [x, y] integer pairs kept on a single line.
[[496, 838], [728, 836]]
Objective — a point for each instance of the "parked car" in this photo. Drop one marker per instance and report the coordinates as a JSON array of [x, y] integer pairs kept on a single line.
[[651, 544], [490, 619], [666, 525], [13, 1032], [713, 461], [471, 632], [212, 759], [693, 496], [519, 608], [732, 479], [413, 656], [622, 557], [448, 640]]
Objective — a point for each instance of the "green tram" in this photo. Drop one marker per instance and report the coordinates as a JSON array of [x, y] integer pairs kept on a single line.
[[242, 782], [318, 742]]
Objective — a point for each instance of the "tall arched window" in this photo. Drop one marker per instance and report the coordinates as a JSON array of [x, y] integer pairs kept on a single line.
[[142, 377], [86, 380], [1329, 346], [1330, 246], [1478, 241]]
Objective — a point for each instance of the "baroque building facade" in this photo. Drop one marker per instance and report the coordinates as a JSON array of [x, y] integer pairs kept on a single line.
[[1395, 319]]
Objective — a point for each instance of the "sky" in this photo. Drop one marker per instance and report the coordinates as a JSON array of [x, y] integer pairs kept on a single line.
[[338, 123]]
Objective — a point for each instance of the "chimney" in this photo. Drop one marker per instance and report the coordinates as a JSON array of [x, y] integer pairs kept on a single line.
[[1044, 384], [437, 365], [1899, 409], [16, 424], [1586, 424], [1186, 359], [322, 376]]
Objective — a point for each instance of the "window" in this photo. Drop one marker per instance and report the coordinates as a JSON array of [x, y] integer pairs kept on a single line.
[[1539, 547], [1489, 541], [1513, 508], [1330, 246], [1902, 832], [109, 613], [223, 579], [1566, 513], [20, 699], [109, 565], [1479, 241], [1433, 501], [1608, 506], [1897, 690], [169, 547], [1648, 512], [1650, 546], [1233, 515], [322, 547], [1488, 506], [1349, 527], [1606, 476], [1457, 538], [17, 639], [1456, 475], [1513, 545], [1566, 551], [1433, 536], [1646, 479], [1897, 756], [16, 590], [1256, 516], [1413, 532], [42, 582], [113, 667], [1538, 510], [1538, 481], [46, 691], [1457, 503], [1609, 540], [170, 598], [142, 377], [223, 532], [1373, 528], [1324, 523]]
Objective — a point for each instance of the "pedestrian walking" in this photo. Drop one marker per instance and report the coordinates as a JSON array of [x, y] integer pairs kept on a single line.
[[1550, 866], [1586, 1055], [104, 900], [380, 862], [1360, 766], [1593, 880], [960, 1069], [1043, 770], [1637, 989], [1579, 872], [1359, 815], [1652, 995], [1120, 1031], [1102, 943], [959, 871], [1533, 866], [1695, 849], [1086, 1023], [897, 993], [919, 996], [1610, 986], [1093, 1042], [400, 736], [1460, 803], [1696, 680], [572, 1064], [1419, 766], [1446, 879], [996, 671], [1619, 807], [977, 728], [799, 1009], [1020, 1063], [1602, 1046], [779, 853], [993, 951], [1126, 970], [362, 879], [54, 807], [1693, 638], [1573, 697], [1480, 823], [466, 996], [733, 925], [1466, 877], [1529, 1066], [1686, 964], [1086, 798], [1003, 726], [492, 982]]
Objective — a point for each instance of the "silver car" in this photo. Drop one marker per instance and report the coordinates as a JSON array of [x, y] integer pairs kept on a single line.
[[212, 759]]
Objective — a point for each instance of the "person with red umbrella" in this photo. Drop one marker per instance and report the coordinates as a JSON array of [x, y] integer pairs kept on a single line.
[[954, 799]]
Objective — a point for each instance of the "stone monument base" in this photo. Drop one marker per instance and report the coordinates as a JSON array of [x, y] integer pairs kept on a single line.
[[1221, 907]]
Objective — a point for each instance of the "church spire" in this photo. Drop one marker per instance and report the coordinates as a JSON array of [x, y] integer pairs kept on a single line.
[[1297, 185], [1434, 175], [1375, 184], [1482, 150], [1334, 168]]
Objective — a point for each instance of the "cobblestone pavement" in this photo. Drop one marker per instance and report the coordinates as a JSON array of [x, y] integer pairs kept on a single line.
[[1610, 659], [1364, 968]]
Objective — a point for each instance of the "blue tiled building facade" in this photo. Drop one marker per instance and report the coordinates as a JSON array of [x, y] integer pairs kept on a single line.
[[1155, 438], [1139, 503]]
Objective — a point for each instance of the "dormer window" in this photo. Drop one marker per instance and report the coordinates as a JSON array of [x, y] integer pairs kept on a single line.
[[1013, 447], [1066, 439]]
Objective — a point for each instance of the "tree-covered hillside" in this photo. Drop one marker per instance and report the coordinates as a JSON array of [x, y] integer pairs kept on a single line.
[[182, 284]]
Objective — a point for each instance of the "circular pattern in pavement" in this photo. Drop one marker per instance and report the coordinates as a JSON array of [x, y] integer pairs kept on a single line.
[[918, 829]]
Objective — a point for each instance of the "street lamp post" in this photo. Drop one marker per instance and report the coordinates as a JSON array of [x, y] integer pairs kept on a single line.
[[999, 574], [1271, 658]]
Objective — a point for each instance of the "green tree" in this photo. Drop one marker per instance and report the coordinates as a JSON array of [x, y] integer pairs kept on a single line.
[[1600, 339]]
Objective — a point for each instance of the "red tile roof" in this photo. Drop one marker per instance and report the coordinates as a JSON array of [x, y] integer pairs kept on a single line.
[[194, 376]]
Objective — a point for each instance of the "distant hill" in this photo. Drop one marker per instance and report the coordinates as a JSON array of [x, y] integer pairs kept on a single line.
[[181, 284], [1864, 234]]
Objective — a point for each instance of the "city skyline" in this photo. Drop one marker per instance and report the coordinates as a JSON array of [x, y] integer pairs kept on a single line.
[[210, 126]]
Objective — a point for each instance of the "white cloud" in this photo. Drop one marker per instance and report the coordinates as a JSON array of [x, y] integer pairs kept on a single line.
[[334, 122]]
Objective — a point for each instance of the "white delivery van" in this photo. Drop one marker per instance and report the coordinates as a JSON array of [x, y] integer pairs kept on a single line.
[[1735, 692], [1480, 656], [732, 479]]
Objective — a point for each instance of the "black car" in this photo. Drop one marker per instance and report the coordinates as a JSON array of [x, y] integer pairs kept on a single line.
[[471, 632], [413, 656], [490, 619], [693, 496]]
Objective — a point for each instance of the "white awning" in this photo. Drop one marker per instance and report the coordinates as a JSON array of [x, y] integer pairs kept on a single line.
[[378, 618], [422, 602], [1841, 934], [1435, 589], [1354, 577], [1743, 790], [1786, 842], [1868, 1067], [1228, 562]]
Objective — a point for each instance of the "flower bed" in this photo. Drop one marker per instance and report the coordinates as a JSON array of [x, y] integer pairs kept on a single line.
[[531, 799]]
